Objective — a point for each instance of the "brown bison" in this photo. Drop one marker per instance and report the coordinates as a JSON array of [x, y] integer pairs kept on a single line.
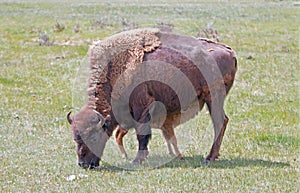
[[146, 78]]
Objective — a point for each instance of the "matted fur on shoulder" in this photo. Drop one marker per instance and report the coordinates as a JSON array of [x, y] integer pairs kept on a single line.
[[109, 58]]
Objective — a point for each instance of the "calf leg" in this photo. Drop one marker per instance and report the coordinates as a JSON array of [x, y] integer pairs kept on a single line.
[[220, 121], [169, 145], [120, 133], [170, 138]]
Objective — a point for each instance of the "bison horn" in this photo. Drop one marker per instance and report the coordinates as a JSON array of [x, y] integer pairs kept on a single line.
[[101, 119], [107, 118], [69, 118]]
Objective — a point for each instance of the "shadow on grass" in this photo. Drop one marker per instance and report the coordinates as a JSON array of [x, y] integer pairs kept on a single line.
[[197, 162]]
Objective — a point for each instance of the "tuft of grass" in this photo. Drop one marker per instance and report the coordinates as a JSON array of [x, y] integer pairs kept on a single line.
[[59, 27]]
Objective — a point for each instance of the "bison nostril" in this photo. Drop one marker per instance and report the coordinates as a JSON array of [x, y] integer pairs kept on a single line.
[[83, 165], [94, 165]]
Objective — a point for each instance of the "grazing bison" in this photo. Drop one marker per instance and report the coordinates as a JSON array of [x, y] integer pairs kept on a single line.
[[145, 78]]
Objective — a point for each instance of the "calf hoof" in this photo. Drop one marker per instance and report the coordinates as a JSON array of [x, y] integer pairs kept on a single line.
[[124, 156], [179, 156]]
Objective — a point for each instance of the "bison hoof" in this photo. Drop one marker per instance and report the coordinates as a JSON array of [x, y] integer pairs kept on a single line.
[[206, 162], [138, 161], [140, 157], [211, 157]]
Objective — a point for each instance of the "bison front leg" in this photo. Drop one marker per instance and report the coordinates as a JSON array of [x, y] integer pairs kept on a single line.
[[220, 121], [143, 132], [143, 149], [143, 136]]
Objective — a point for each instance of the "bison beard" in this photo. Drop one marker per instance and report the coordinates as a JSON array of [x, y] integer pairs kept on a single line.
[[126, 79]]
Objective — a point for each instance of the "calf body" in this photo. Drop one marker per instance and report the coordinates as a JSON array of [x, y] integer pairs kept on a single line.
[[168, 132]]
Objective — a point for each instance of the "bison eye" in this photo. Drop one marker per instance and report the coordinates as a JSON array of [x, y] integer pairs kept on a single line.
[[78, 139], [105, 126]]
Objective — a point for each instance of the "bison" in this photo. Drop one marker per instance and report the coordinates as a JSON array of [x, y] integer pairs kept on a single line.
[[145, 78]]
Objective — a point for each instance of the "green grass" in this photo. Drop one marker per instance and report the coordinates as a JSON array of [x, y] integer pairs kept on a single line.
[[260, 151]]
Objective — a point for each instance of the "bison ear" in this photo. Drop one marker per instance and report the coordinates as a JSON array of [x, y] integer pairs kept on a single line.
[[70, 120]]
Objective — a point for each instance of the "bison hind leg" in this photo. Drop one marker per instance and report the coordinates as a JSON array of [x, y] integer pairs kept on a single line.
[[220, 121]]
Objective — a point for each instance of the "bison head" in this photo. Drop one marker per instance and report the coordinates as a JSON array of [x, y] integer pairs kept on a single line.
[[89, 129]]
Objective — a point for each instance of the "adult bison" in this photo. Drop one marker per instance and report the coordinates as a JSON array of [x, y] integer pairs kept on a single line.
[[146, 78]]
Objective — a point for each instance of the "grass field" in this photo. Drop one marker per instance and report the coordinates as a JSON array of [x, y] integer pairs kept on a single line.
[[260, 151]]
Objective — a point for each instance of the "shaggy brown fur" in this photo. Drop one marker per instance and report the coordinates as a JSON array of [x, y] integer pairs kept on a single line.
[[106, 66]]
